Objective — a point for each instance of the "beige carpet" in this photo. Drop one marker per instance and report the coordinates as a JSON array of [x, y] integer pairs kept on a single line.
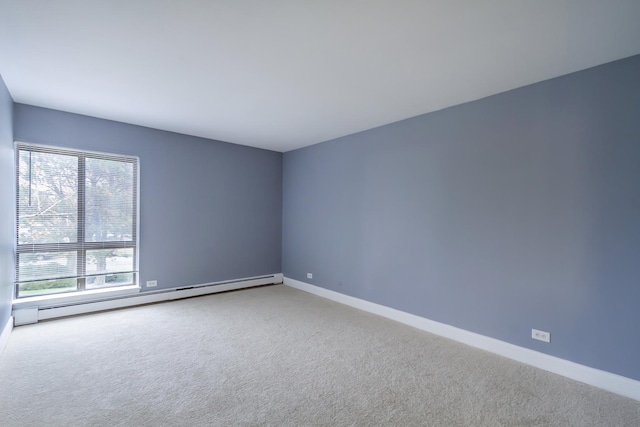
[[275, 356]]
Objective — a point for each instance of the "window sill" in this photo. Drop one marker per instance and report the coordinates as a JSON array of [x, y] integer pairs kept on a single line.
[[74, 297]]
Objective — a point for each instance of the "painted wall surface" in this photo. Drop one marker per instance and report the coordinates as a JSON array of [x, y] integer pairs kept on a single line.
[[517, 211], [209, 210], [7, 206]]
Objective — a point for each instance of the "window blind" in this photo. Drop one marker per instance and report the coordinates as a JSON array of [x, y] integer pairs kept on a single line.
[[76, 220]]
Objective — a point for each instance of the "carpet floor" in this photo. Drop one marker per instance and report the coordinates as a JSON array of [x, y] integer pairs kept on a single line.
[[275, 356]]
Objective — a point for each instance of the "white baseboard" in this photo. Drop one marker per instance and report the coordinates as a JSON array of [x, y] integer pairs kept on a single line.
[[605, 380], [6, 331], [43, 312]]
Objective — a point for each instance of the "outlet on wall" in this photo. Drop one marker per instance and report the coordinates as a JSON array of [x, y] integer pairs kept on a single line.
[[309, 275], [152, 283], [540, 335]]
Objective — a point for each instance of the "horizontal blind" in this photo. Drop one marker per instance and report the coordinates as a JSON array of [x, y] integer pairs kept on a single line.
[[76, 219]]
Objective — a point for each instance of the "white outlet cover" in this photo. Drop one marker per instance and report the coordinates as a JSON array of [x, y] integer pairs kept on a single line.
[[540, 335], [309, 275], [152, 283]]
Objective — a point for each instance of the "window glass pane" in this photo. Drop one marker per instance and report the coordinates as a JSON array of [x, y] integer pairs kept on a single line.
[[47, 198], [109, 280], [46, 265], [109, 260], [119, 261], [45, 287], [109, 200]]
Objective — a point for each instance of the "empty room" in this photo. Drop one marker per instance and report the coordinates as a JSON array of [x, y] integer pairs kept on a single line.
[[322, 213]]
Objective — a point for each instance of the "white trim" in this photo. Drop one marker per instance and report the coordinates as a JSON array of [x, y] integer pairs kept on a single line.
[[602, 379], [51, 312], [6, 332], [74, 297], [25, 316]]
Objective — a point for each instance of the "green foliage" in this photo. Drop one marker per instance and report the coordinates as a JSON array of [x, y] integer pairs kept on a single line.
[[46, 287], [47, 202], [109, 200]]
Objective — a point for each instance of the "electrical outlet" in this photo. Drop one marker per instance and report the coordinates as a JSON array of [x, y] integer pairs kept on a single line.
[[309, 276], [540, 335], [152, 283]]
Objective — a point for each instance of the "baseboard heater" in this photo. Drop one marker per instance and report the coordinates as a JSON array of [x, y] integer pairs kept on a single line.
[[47, 310]]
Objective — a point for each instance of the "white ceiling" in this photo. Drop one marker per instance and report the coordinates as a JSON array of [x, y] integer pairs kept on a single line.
[[283, 74]]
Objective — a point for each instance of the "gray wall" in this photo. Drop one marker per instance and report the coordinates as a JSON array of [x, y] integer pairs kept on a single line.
[[7, 204], [209, 210], [517, 211]]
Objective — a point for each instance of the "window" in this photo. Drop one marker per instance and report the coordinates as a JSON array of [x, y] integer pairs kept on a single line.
[[76, 220]]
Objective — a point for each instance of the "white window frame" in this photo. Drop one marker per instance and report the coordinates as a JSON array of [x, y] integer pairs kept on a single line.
[[80, 245]]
